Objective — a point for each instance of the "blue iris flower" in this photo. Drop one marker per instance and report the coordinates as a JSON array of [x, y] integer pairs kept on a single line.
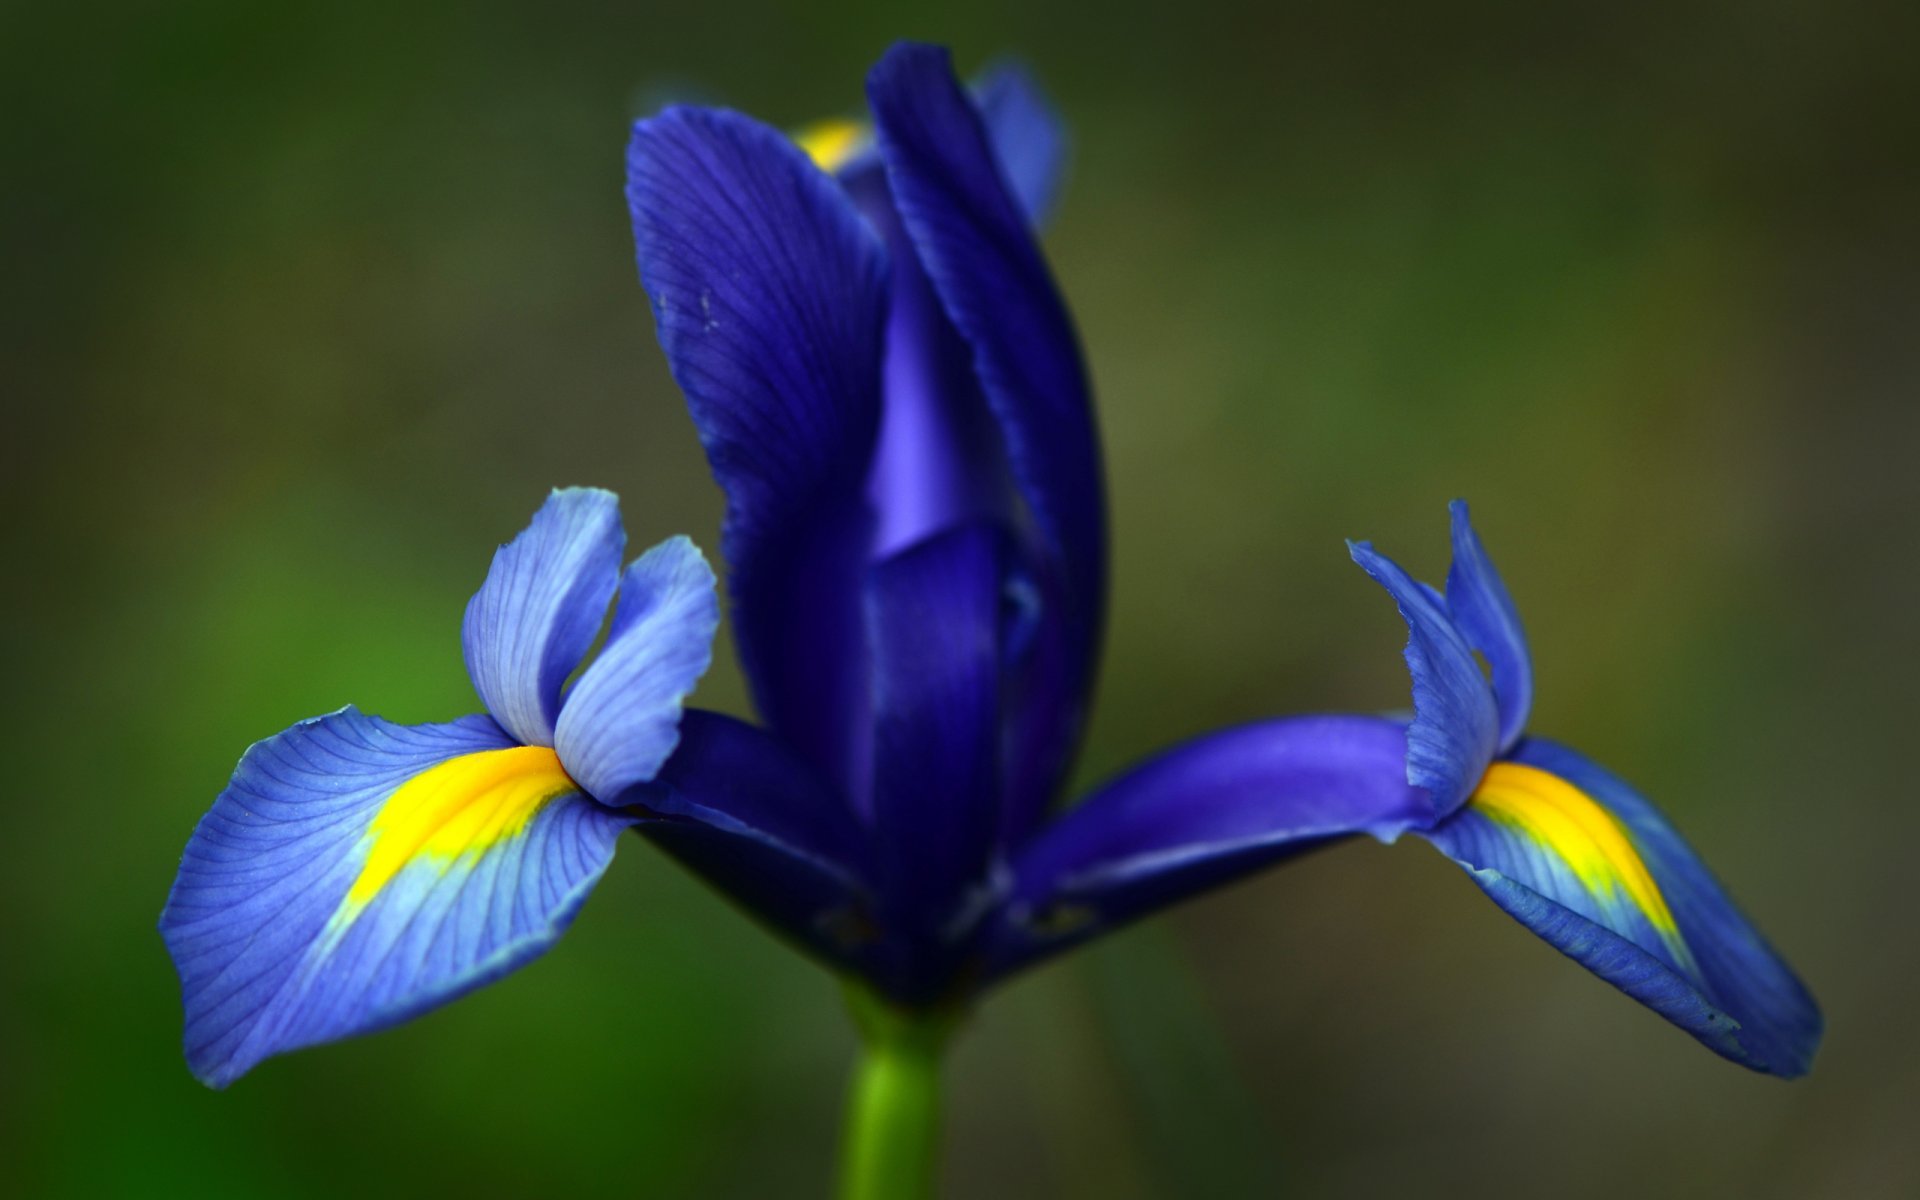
[[356, 872], [1559, 842], [889, 392]]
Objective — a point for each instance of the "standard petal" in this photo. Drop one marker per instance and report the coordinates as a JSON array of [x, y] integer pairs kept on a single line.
[[1576, 856], [978, 250], [769, 296], [622, 718], [741, 811], [939, 460], [1199, 815], [1486, 617], [542, 605], [356, 872], [1029, 139], [933, 615], [1455, 726]]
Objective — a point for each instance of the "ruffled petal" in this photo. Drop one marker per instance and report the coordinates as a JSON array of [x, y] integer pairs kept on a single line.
[[740, 810], [978, 249], [1575, 855], [1486, 617], [1200, 815], [1029, 138], [356, 872], [621, 719], [768, 293], [1455, 726], [540, 608], [933, 615]]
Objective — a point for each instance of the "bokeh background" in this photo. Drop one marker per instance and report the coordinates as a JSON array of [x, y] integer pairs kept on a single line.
[[307, 305]]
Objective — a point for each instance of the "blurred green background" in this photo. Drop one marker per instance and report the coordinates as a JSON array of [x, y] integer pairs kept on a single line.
[[307, 305]]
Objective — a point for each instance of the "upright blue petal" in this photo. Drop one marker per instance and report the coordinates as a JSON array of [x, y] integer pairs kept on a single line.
[[1577, 856], [356, 872], [622, 718], [1486, 617], [1199, 815], [740, 810], [1044, 685], [542, 604], [1455, 729], [933, 615], [768, 293], [939, 461], [978, 249], [1029, 139]]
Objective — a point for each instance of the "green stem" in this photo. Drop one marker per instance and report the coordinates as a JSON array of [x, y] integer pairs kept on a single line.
[[891, 1142]]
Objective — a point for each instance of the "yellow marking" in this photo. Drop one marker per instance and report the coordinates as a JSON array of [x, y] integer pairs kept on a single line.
[[1591, 840], [831, 144], [466, 805]]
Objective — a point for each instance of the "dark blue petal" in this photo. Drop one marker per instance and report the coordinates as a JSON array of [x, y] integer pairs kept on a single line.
[[1578, 857], [939, 461], [1029, 139], [740, 810], [768, 292], [355, 873], [978, 249], [1486, 617], [1042, 696], [1199, 815], [622, 718], [933, 615], [540, 608], [1455, 726]]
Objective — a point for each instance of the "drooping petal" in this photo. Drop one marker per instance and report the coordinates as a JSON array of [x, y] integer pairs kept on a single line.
[[1487, 618], [1575, 855], [740, 810], [356, 872], [768, 294], [1029, 139], [621, 720], [1455, 726], [978, 249], [1202, 814], [933, 615], [542, 604]]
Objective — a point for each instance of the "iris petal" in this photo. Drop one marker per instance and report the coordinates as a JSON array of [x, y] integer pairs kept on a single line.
[[933, 615], [978, 249], [1490, 623], [1455, 726], [1200, 815], [1029, 139], [621, 719], [355, 873], [543, 602], [939, 460], [768, 294], [1576, 856], [987, 269], [739, 809]]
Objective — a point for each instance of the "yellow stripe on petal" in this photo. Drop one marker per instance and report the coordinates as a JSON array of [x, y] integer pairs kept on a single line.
[[832, 144], [1589, 839], [465, 805]]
